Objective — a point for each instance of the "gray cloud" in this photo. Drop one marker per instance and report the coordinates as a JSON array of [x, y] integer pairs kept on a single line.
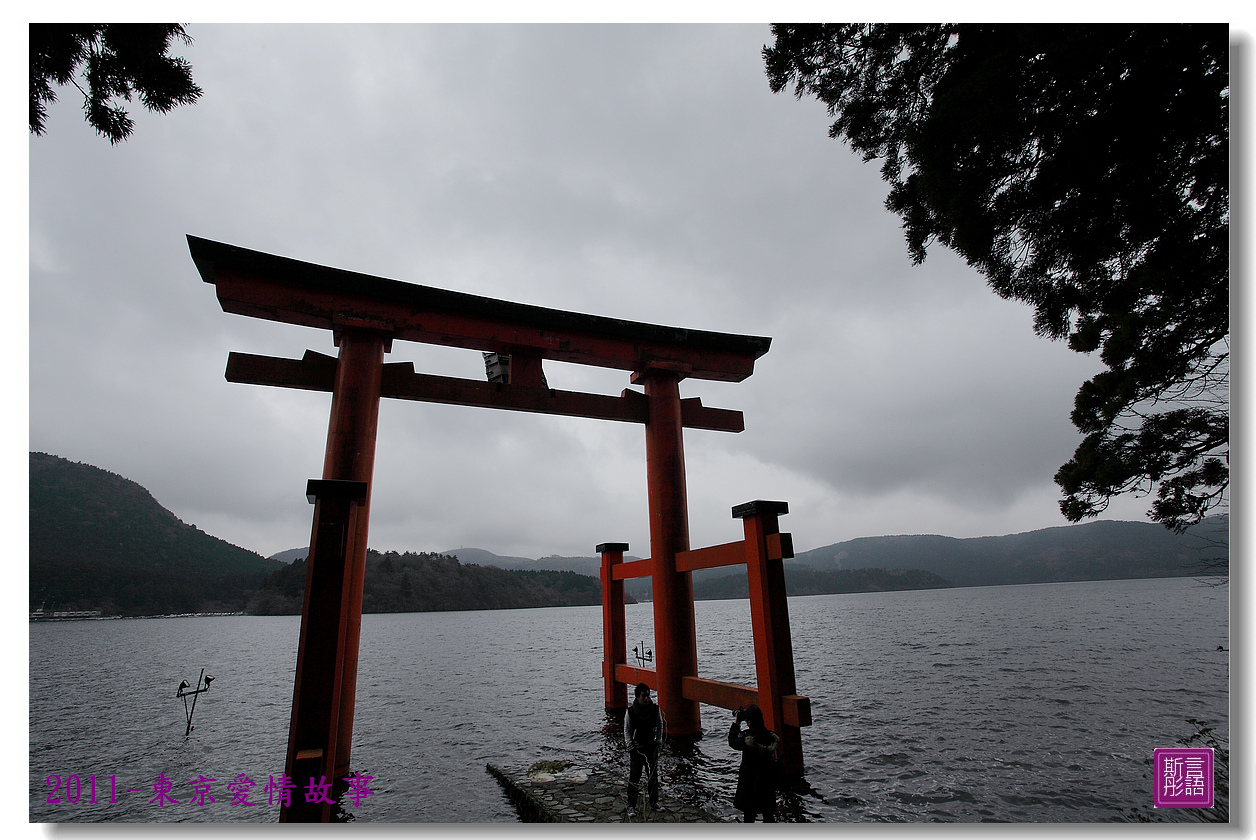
[[642, 172]]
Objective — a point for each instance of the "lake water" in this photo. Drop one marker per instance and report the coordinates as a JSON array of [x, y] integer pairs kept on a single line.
[[1037, 703]]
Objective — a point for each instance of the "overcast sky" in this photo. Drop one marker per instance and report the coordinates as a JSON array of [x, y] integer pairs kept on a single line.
[[635, 171]]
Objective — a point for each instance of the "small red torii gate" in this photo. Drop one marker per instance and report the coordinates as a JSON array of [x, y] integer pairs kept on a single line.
[[762, 550], [365, 314]]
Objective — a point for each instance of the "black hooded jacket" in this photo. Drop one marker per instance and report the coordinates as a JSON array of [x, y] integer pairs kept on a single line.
[[756, 779], [643, 726]]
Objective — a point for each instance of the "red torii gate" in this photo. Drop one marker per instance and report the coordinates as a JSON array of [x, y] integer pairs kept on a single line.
[[365, 314]]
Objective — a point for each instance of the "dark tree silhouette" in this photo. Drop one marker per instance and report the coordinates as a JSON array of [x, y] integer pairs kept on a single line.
[[118, 61], [1083, 170]]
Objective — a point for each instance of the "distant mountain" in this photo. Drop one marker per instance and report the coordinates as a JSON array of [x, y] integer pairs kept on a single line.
[[101, 541], [1093, 551], [291, 554], [487, 558]]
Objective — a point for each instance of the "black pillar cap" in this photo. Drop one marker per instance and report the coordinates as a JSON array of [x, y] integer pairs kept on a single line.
[[759, 506], [605, 547], [333, 488]]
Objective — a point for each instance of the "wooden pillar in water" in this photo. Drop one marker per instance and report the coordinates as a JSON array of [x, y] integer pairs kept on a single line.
[[766, 548], [314, 725], [320, 733], [351, 455], [614, 643], [675, 637]]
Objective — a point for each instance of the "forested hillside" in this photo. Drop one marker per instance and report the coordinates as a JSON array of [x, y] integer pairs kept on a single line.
[[432, 582], [101, 541]]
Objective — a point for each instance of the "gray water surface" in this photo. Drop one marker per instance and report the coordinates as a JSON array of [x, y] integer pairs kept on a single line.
[[1037, 703]]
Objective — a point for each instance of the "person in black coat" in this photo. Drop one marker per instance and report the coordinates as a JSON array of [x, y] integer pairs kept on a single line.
[[643, 730], [756, 780]]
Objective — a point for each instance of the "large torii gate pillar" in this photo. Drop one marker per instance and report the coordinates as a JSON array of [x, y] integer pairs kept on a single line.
[[350, 456], [675, 636], [320, 732]]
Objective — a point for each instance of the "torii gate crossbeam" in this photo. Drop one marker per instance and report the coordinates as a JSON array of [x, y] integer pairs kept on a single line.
[[366, 314]]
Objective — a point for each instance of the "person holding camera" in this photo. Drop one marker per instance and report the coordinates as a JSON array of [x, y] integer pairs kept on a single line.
[[643, 730], [756, 779]]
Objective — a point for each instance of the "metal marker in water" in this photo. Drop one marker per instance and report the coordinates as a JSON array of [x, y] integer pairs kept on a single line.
[[185, 694]]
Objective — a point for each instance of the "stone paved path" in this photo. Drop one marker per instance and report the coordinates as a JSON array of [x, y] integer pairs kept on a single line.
[[582, 795]]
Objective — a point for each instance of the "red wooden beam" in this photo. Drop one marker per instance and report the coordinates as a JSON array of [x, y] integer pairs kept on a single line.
[[712, 557], [634, 569], [632, 675], [316, 372], [780, 546], [797, 709], [726, 695]]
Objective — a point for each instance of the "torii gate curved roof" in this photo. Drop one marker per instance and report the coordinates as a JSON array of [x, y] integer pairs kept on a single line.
[[277, 288]]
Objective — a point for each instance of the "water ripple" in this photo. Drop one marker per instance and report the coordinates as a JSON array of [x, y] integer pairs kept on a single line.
[[1029, 703]]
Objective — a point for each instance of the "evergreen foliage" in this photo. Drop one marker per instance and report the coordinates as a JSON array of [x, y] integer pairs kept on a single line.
[[118, 61], [1083, 170], [422, 582]]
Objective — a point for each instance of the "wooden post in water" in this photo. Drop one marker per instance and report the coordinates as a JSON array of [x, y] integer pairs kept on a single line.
[[320, 733], [614, 643], [766, 548], [313, 729], [675, 637], [350, 456]]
